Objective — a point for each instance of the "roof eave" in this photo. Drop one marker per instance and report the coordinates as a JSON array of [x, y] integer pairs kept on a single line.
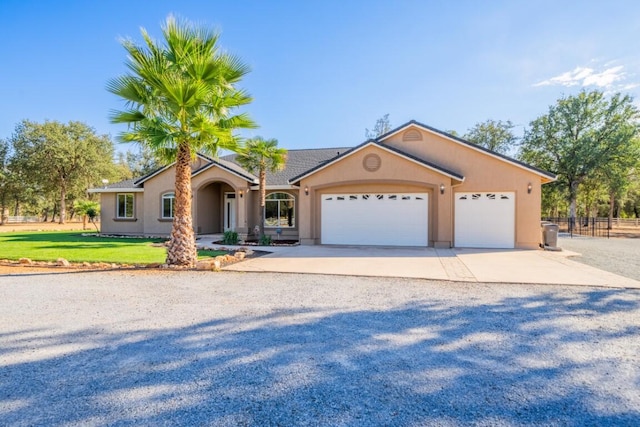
[[115, 190]]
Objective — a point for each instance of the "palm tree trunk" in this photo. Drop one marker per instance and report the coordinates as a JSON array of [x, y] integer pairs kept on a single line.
[[182, 245], [263, 191]]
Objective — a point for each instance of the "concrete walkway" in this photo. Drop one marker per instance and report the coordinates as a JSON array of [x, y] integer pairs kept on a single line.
[[466, 265]]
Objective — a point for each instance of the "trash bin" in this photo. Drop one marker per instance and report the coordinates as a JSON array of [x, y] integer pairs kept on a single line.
[[550, 235]]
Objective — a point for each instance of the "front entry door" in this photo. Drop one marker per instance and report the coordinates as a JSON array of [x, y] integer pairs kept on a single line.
[[229, 211]]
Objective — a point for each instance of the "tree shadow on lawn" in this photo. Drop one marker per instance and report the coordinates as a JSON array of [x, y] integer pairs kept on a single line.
[[516, 361]]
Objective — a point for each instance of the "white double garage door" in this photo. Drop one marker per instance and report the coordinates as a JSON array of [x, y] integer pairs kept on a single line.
[[482, 220]]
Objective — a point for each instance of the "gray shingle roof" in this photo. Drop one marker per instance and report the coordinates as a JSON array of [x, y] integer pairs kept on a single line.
[[298, 162], [128, 183]]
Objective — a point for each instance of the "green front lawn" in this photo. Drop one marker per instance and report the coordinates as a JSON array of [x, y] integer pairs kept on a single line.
[[74, 247]]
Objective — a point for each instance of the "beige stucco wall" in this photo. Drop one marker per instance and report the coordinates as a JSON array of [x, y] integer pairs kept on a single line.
[[108, 222], [208, 187], [396, 174], [154, 188], [483, 172]]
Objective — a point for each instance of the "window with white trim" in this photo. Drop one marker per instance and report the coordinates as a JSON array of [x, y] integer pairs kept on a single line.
[[125, 206], [279, 210], [168, 201]]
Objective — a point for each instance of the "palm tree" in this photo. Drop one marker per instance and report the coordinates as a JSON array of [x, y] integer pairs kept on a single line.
[[179, 97], [259, 155]]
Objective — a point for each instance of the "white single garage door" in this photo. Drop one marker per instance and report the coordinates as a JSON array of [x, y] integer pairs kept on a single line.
[[485, 220], [392, 219]]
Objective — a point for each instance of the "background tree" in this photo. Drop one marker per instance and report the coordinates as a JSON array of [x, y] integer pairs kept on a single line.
[[62, 159], [381, 127], [179, 97], [631, 205], [259, 156], [142, 162], [493, 135], [4, 179], [618, 175], [579, 136]]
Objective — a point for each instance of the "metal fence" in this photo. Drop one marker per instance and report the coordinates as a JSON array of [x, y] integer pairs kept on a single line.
[[594, 227], [19, 219], [625, 222]]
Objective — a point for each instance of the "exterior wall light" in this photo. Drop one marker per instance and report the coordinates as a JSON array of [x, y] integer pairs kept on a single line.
[[105, 182], [529, 188], [441, 188], [306, 190], [241, 193]]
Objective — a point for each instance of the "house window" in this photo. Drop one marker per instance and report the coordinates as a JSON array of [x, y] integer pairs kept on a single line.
[[125, 206], [168, 200], [279, 210]]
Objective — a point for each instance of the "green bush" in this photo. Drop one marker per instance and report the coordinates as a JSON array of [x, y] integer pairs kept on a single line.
[[230, 238], [265, 240]]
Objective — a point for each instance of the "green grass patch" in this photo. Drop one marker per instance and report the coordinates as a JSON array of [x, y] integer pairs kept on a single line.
[[74, 247]]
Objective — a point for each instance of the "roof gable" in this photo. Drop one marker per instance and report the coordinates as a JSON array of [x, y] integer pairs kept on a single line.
[[158, 171], [230, 167], [413, 123], [393, 150]]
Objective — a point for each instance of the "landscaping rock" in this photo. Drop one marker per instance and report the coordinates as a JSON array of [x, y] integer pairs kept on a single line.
[[25, 261], [205, 265], [61, 262], [239, 255]]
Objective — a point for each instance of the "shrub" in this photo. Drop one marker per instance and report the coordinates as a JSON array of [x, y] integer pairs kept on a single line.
[[265, 240], [230, 238]]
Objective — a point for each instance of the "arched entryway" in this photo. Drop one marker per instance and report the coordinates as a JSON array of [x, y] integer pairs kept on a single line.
[[216, 208]]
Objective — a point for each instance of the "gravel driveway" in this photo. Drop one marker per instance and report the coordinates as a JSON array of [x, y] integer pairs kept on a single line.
[[228, 349], [616, 255]]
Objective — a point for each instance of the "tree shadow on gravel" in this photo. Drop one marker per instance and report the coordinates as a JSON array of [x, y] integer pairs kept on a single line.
[[517, 361]]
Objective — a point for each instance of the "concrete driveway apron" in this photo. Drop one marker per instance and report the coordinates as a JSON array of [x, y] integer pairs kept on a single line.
[[469, 265]]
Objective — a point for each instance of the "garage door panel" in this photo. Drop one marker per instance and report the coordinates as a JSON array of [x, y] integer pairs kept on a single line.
[[485, 220], [375, 219]]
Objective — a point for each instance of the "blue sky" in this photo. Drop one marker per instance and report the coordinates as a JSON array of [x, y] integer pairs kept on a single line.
[[323, 71]]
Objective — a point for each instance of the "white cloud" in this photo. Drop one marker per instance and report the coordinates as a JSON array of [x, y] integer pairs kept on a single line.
[[584, 76]]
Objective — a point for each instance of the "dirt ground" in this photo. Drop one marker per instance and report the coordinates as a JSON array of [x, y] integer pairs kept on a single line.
[[45, 226]]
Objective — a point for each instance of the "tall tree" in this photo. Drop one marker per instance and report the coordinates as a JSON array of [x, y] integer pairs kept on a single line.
[[4, 178], [62, 159], [142, 162], [179, 98], [579, 136], [259, 156], [493, 135], [381, 127], [618, 175]]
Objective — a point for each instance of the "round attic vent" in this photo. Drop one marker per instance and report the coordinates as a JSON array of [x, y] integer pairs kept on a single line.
[[371, 162]]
